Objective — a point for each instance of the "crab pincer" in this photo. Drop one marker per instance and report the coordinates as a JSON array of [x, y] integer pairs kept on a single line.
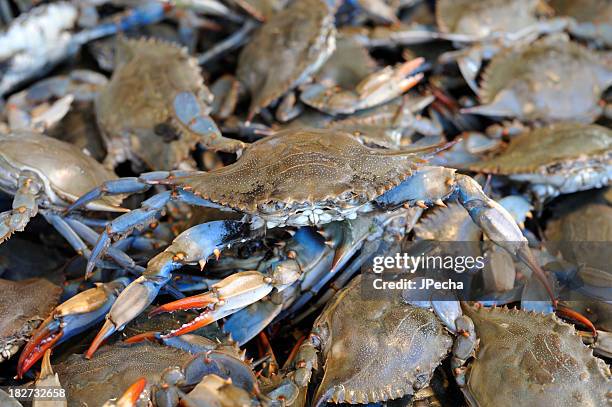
[[131, 395], [194, 246], [69, 319], [228, 296]]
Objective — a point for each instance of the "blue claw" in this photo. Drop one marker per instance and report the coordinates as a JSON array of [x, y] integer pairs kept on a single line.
[[69, 319], [195, 245]]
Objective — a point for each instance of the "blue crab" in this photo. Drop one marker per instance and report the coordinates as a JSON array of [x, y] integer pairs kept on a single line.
[[550, 80], [488, 26], [169, 373], [303, 34], [395, 354], [294, 178], [45, 175], [524, 358], [38, 40], [556, 159], [165, 107]]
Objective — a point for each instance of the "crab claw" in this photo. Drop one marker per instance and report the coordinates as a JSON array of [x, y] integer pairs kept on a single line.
[[193, 246], [69, 319], [196, 301], [131, 396], [44, 338], [228, 296], [232, 293]]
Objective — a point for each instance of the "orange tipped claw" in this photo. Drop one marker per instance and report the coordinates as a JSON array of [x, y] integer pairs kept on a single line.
[[36, 347], [578, 317], [196, 301], [199, 322], [133, 393], [146, 336], [107, 330]]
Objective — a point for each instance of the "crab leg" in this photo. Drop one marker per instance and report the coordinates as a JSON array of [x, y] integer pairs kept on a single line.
[[25, 206], [69, 319], [194, 246], [127, 185], [433, 185], [90, 236]]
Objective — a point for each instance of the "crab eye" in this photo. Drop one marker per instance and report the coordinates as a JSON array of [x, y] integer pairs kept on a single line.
[[166, 132]]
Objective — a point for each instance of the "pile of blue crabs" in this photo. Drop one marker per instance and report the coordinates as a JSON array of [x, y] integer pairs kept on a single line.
[[192, 193]]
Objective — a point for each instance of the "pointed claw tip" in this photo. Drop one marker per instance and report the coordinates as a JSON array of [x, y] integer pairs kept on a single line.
[[42, 340], [133, 393], [145, 336], [107, 330]]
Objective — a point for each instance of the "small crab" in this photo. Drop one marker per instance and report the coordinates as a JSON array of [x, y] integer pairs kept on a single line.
[[164, 109], [349, 82], [550, 80], [301, 177], [286, 51], [487, 26], [24, 305], [45, 175], [531, 359], [589, 19], [38, 40], [556, 159], [398, 347]]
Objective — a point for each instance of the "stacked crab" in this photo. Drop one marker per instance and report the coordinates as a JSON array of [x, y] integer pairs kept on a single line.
[[215, 178]]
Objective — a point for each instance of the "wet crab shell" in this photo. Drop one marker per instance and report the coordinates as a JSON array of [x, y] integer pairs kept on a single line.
[[23, 306], [395, 353], [65, 170], [150, 75], [483, 18], [286, 51], [533, 359], [552, 150], [328, 172], [91, 382], [552, 79]]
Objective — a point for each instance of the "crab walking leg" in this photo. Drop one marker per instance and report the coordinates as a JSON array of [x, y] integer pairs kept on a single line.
[[91, 237], [126, 185], [24, 207], [146, 214], [69, 319], [194, 246], [433, 185]]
